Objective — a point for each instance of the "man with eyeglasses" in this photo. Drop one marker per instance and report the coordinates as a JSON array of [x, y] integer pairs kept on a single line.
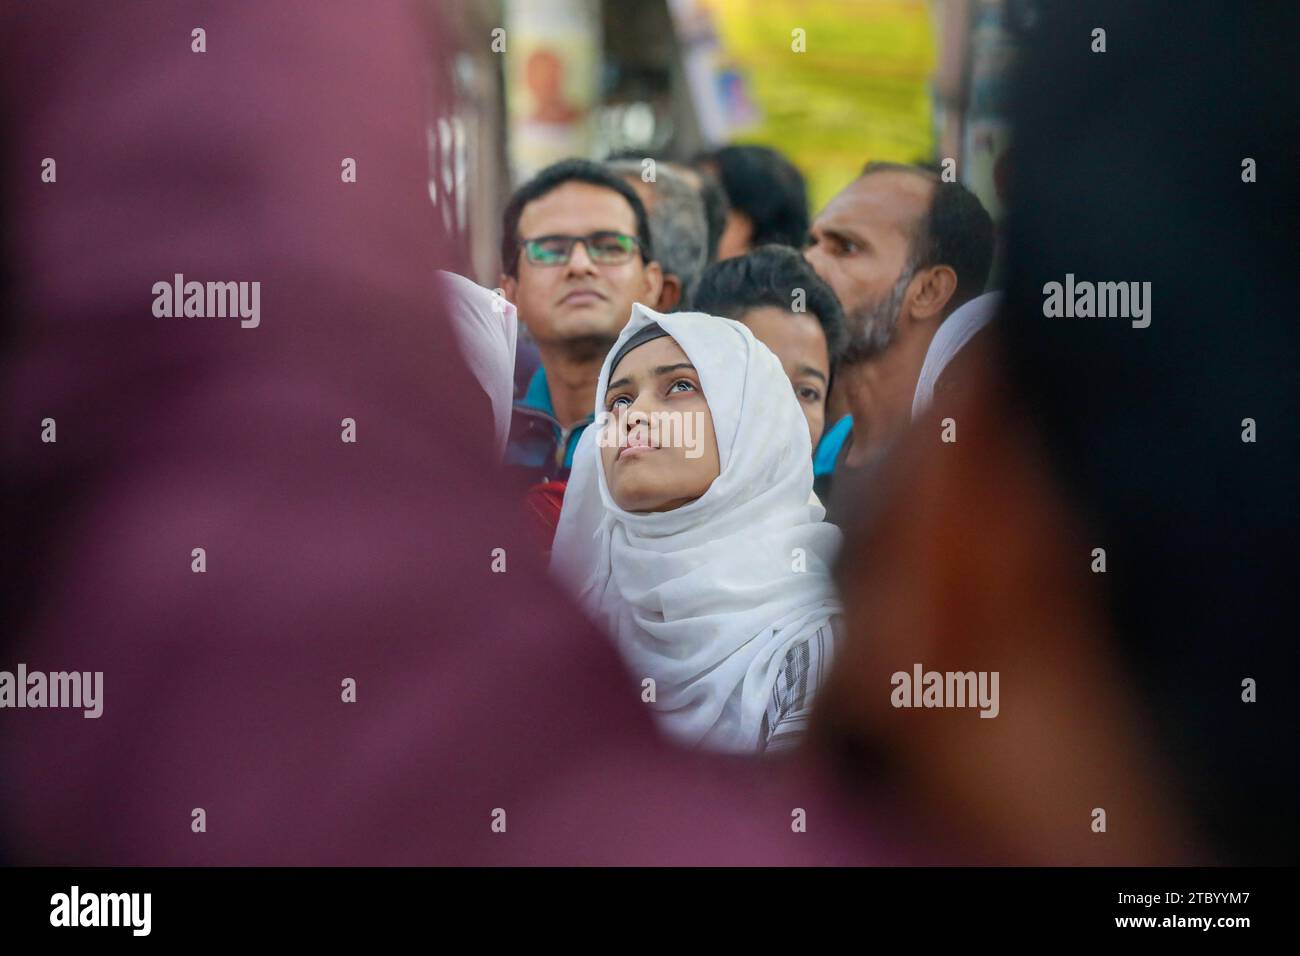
[[576, 255]]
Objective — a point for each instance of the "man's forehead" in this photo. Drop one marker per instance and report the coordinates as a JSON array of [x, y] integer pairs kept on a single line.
[[883, 200], [577, 208]]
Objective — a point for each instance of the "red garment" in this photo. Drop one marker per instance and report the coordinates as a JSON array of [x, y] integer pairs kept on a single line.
[[544, 502]]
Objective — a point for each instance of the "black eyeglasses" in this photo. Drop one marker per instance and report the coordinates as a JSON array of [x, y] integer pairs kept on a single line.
[[603, 248]]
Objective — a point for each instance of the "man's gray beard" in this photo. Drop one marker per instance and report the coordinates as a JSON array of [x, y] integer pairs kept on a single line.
[[878, 323]]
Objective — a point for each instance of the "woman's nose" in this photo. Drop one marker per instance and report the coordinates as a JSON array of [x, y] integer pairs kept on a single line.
[[637, 414]]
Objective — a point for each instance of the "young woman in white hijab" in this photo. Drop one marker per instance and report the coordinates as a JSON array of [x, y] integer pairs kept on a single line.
[[705, 557]]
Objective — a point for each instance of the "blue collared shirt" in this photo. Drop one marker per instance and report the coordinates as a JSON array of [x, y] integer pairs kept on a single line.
[[828, 449]]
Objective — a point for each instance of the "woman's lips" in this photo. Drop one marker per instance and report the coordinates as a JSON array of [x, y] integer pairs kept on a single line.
[[635, 448]]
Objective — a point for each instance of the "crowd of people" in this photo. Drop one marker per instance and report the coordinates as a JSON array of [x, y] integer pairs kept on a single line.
[[801, 346], [876, 467]]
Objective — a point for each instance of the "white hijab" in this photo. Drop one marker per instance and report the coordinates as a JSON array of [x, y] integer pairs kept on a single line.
[[486, 330], [708, 598], [953, 334]]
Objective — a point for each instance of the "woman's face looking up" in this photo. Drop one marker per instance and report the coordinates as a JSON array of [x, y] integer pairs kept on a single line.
[[658, 448]]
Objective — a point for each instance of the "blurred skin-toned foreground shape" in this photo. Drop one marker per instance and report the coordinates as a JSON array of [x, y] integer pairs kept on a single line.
[[1124, 687], [972, 565]]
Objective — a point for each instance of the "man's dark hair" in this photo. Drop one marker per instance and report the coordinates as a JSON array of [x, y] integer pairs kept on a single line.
[[553, 177], [769, 276], [957, 231], [767, 188]]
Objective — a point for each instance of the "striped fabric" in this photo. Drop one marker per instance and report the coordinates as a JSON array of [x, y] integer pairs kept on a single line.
[[802, 673]]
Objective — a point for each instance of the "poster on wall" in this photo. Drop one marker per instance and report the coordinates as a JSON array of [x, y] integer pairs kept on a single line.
[[552, 52], [832, 83]]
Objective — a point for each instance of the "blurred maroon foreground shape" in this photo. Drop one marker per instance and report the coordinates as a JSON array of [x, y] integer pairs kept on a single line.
[[325, 560]]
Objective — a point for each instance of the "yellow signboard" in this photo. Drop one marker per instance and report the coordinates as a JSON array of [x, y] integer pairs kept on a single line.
[[833, 83]]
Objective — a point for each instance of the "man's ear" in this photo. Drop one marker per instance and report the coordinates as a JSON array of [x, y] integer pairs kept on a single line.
[[935, 290], [654, 283], [509, 286], [671, 294]]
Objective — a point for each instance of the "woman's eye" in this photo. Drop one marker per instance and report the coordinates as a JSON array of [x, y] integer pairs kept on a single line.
[[682, 381], [808, 394], [619, 402]]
